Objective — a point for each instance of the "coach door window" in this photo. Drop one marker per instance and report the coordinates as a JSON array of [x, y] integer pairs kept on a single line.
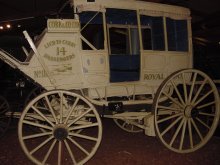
[[123, 43]]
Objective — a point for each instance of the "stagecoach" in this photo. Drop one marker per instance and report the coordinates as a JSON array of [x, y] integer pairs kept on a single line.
[[127, 60]]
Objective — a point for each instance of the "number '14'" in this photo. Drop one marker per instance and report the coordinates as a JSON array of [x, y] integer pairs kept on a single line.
[[61, 50]]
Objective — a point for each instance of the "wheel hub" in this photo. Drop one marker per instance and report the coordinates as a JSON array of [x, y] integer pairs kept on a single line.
[[190, 111], [60, 132]]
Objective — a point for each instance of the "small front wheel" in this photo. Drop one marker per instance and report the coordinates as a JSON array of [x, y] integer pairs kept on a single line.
[[189, 116], [67, 129]]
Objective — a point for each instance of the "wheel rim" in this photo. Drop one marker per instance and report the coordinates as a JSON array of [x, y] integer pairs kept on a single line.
[[4, 119], [126, 125], [69, 129], [33, 93], [188, 118]]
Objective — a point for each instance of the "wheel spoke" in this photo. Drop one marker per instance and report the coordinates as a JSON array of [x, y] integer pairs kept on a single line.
[[79, 117], [35, 117], [42, 115], [79, 146], [168, 118], [184, 88], [190, 133], [51, 109], [37, 135], [124, 124], [205, 105], [41, 145], [169, 108], [197, 129], [202, 98], [70, 152], [136, 124], [171, 125], [133, 126], [41, 108], [182, 135], [37, 125], [199, 90], [71, 111], [192, 87], [49, 151], [61, 107], [173, 100], [176, 133], [59, 152], [207, 114], [83, 126], [199, 120], [178, 93], [83, 136]]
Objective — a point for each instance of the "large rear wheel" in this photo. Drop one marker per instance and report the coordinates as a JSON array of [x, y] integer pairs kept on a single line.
[[189, 116]]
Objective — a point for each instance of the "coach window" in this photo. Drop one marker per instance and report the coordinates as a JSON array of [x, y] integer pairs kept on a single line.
[[92, 30], [177, 35], [152, 33], [122, 32], [123, 44]]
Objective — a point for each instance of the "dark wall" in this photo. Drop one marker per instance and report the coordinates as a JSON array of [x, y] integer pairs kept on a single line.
[[207, 59]]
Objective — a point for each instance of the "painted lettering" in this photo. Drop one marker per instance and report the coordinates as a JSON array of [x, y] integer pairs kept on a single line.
[[155, 76], [39, 73], [59, 59], [67, 24], [58, 42]]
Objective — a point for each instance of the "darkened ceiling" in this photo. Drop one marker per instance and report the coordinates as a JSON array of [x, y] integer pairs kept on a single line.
[[31, 13]]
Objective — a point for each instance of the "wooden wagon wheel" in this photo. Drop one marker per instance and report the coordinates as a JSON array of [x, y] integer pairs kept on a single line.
[[126, 125], [61, 114], [188, 118], [4, 119]]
